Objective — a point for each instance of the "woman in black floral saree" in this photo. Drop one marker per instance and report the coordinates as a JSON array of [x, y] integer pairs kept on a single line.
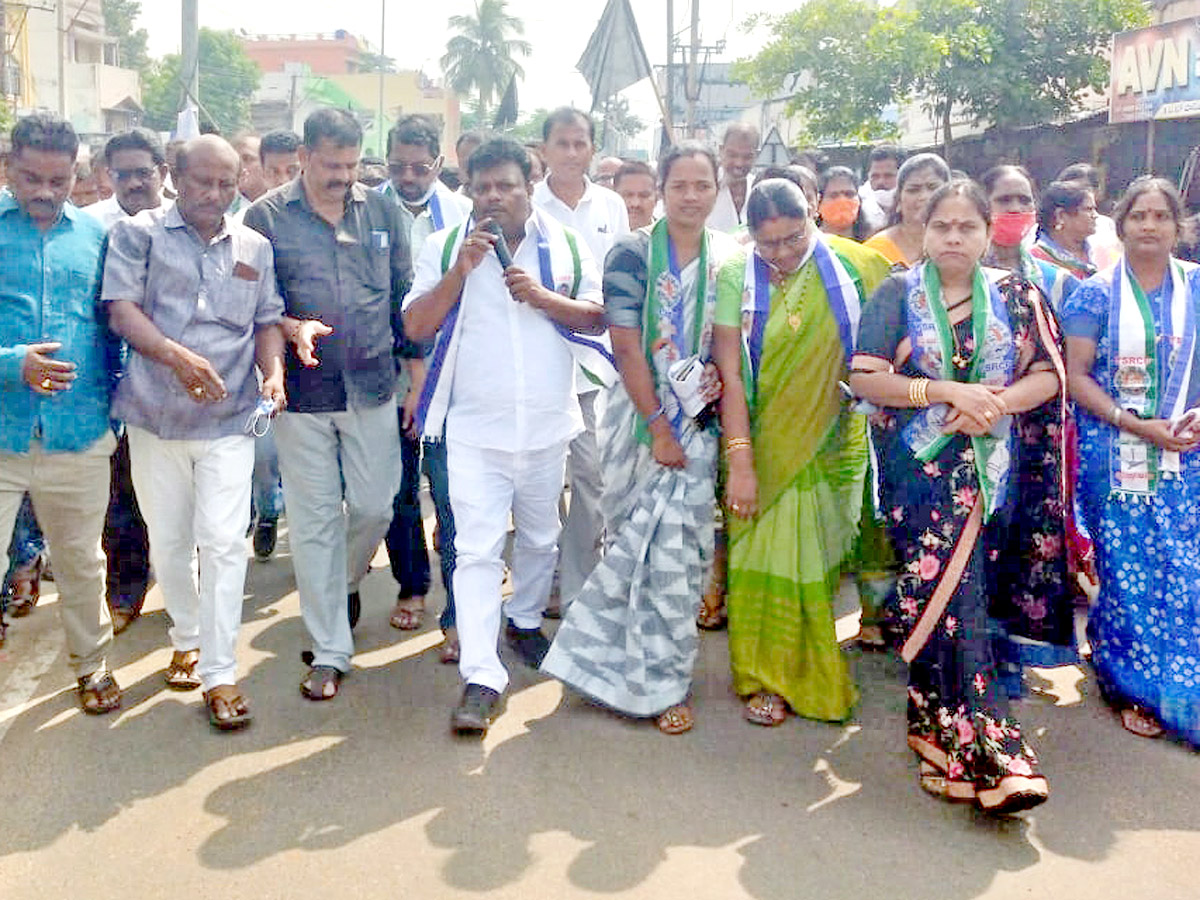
[[964, 365]]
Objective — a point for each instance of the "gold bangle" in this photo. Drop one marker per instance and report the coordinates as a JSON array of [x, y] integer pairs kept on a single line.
[[1114, 416], [918, 392], [734, 444]]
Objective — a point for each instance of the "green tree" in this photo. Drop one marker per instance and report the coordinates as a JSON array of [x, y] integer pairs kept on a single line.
[[617, 125], [119, 19], [480, 59], [369, 61], [827, 57], [1007, 62], [228, 79], [529, 129]]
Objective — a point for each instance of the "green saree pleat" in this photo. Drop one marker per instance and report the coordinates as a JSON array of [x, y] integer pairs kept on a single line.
[[811, 461]]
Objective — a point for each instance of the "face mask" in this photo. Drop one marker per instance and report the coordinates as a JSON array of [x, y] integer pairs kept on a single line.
[[886, 198], [839, 212], [426, 197], [1010, 228]]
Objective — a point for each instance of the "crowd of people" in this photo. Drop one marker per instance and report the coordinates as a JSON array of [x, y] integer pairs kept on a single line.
[[975, 399]]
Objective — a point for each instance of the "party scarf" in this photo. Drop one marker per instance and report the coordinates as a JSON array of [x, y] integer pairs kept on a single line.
[[1047, 249], [840, 280], [1150, 375], [664, 313], [993, 361]]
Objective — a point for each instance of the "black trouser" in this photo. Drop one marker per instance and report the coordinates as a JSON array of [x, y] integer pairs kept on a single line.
[[126, 543], [405, 540]]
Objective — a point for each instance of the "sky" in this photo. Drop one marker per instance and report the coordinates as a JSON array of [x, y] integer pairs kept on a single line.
[[558, 29]]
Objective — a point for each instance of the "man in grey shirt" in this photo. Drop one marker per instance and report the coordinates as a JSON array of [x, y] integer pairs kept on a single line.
[[343, 268], [193, 292]]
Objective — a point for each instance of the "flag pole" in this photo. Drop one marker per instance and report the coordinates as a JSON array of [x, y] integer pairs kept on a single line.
[[670, 79]]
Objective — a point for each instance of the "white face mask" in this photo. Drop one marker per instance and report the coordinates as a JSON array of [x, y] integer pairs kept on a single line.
[[886, 198], [426, 197]]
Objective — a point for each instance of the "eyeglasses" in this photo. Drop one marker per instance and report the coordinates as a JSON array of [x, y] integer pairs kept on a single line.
[[791, 241], [141, 174], [420, 170]]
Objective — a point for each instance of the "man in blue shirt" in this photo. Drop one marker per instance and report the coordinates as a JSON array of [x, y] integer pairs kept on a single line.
[[56, 370]]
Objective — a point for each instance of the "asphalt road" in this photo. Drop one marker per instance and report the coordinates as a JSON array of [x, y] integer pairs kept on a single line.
[[370, 796]]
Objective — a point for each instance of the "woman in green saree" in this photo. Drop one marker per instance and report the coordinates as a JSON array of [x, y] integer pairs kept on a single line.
[[796, 454]]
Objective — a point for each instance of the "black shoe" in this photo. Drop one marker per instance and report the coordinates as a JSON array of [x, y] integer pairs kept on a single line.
[[354, 607], [264, 538], [529, 643], [475, 710]]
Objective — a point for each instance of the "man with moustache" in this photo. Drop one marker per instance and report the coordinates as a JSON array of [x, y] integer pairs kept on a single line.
[[739, 150], [634, 183], [502, 386], [414, 161], [137, 167], [343, 267], [193, 293], [57, 364]]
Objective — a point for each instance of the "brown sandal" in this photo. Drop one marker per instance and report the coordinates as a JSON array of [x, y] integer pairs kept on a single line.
[[766, 709], [408, 613], [99, 693], [181, 673], [676, 720], [1140, 721], [26, 584], [227, 709]]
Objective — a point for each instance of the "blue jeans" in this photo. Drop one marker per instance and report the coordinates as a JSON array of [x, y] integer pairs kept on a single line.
[[266, 494], [27, 541], [434, 466]]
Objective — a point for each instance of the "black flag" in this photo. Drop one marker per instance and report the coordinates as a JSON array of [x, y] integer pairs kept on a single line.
[[506, 113], [614, 58]]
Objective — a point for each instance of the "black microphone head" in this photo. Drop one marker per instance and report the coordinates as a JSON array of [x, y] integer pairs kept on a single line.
[[501, 246]]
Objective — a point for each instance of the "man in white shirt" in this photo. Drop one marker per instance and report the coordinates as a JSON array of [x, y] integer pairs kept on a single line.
[[137, 167], [739, 150], [414, 160], [599, 215], [502, 382], [878, 190]]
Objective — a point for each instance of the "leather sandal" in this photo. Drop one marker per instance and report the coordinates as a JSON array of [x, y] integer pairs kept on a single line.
[[676, 720], [181, 673], [227, 709], [99, 693], [407, 613], [321, 683], [766, 709]]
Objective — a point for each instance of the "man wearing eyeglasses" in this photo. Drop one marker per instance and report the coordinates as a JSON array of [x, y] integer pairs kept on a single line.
[[426, 205], [137, 166]]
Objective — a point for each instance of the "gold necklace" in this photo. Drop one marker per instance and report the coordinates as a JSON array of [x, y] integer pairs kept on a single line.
[[794, 307]]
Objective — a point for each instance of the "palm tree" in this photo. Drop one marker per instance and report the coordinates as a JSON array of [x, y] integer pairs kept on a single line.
[[479, 57]]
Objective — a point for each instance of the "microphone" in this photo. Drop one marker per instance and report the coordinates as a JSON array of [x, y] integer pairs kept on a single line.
[[501, 246]]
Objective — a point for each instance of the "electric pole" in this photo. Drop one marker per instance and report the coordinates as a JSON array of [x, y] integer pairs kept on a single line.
[[693, 75], [669, 122], [190, 70]]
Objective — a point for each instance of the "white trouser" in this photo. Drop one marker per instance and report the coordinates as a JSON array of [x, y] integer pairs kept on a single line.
[[583, 530], [485, 486], [340, 471], [195, 498]]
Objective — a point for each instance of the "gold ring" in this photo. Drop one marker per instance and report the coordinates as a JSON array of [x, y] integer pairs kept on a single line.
[[989, 415], [198, 391], [46, 384]]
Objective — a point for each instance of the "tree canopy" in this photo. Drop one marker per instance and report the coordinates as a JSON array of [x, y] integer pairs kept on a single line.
[[480, 57], [1007, 62], [119, 19], [228, 79]]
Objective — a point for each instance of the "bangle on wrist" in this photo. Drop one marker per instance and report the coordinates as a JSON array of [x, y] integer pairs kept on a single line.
[[657, 414], [734, 444], [918, 390], [1114, 415]]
